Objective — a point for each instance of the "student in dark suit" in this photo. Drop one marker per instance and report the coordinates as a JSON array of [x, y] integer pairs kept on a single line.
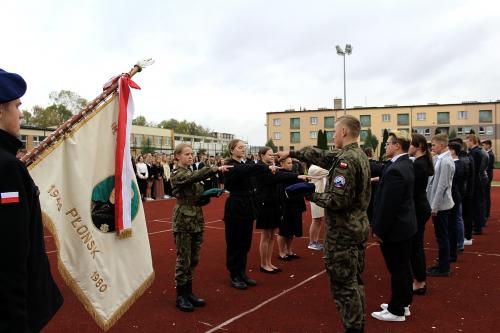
[[480, 179], [424, 168], [394, 224], [29, 298], [489, 171]]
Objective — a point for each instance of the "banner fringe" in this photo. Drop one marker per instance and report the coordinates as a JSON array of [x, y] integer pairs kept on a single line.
[[124, 233], [73, 285]]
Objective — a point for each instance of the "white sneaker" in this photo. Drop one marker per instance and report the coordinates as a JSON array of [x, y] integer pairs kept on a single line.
[[468, 241], [384, 306], [385, 315]]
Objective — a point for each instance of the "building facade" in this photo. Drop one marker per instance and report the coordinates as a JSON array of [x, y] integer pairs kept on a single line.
[[296, 129], [160, 140]]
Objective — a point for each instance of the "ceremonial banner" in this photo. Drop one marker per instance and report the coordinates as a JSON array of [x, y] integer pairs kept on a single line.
[[76, 179]]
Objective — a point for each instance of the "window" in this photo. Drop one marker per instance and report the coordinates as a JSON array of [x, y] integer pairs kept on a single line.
[[295, 123], [462, 115], [313, 120], [421, 116], [37, 139], [481, 129], [280, 148], [442, 130], [489, 130], [443, 117], [313, 134], [403, 119], [138, 140], [485, 116], [292, 148], [159, 141], [329, 135], [464, 130], [277, 135], [407, 130], [329, 122], [295, 137], [23, 140], [423, 131], [386, 118], [363, 134], [276, 122], [365, 120]]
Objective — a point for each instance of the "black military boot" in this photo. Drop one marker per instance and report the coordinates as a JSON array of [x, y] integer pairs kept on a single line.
[[182, 302], [250, 282], [193, 299], [237, 282]]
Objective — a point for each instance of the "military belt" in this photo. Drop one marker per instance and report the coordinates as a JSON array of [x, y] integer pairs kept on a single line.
[[187, 202]]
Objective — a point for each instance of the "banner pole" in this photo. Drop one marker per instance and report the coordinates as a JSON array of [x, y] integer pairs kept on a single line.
[[89, 108]]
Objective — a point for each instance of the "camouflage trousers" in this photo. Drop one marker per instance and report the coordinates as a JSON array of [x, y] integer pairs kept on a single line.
[[188, 246], [344, 264]]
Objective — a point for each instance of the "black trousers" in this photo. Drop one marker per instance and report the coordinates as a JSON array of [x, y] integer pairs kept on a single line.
[[453, 230], [441, 221], [467, 212], [417, 256], [478, 209], [397, 260], [487, 195], [238, 241]]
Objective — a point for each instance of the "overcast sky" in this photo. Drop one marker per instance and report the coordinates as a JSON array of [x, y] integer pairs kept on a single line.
[[225, 63]]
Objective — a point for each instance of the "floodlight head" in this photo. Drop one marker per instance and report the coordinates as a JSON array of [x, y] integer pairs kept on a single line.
[[339, 50], [348, 49]]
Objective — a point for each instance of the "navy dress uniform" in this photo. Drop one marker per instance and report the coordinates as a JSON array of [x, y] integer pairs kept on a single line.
[[29, 298]]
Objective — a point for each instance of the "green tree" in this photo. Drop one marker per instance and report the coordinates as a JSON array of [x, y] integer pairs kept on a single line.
[[53, 115], [69, 99], [271, 145], [472, 131], [146, 146], [27, 118], [385, 137], [371, 141], [453, 134], [139, 121], [322, 142]]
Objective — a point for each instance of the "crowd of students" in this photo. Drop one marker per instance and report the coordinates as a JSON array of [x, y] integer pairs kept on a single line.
[[450, 183]]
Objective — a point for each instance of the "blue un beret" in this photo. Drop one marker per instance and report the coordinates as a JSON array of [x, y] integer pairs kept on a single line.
[[12, 86], [300, 189]]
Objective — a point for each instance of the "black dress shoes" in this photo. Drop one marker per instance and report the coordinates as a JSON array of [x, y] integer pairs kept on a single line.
[[238, 283], [248, 281], [420, 291], [277, 270]]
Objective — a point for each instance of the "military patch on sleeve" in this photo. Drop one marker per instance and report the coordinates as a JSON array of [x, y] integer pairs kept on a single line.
[[9, 197], [339, 182], [343, 165]]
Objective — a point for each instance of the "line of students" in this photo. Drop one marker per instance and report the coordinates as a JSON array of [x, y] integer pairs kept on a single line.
[[452, 187], [256, 191]]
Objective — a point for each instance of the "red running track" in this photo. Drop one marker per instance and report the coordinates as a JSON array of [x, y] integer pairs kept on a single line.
[[298, 299]]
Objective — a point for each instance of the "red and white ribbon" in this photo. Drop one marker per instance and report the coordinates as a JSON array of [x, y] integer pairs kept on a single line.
[[123, 167]]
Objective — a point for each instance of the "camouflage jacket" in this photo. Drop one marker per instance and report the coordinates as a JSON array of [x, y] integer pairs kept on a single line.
[[347, 192], [186, 188]]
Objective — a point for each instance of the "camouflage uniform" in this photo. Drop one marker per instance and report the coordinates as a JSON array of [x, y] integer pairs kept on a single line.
[[188, 223], [346, 199]]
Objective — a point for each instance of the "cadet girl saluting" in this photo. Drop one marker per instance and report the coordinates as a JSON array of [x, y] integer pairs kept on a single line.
[[188, 222]]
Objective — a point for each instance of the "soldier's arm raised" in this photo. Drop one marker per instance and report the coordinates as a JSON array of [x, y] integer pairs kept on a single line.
[[316, 156], [182, 176]]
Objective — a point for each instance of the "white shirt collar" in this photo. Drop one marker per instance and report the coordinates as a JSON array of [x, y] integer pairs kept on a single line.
[[395, 158]]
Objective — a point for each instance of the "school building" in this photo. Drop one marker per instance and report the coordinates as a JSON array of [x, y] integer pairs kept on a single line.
[[160, 140], [291, 129]]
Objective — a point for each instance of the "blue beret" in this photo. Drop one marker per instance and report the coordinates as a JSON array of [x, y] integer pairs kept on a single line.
[[300, 189], [12, 86], [213, 192]]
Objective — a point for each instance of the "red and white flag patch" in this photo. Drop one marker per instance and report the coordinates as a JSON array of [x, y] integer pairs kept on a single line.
[[9, 197]]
